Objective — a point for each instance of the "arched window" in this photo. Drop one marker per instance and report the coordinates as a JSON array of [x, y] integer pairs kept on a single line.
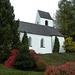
[[42, 42], [30, 41], [46, 23]]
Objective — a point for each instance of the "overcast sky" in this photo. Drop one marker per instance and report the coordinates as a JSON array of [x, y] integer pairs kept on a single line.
[[26, 10]]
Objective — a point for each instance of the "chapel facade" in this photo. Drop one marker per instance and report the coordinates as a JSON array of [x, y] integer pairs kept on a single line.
[[41, 35]]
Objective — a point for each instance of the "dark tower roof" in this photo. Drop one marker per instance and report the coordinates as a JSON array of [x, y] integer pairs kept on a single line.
[[45, 15]]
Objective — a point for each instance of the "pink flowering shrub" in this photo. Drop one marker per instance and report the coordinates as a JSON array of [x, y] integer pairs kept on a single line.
[[66, 69], [10, 61], [52, 70]]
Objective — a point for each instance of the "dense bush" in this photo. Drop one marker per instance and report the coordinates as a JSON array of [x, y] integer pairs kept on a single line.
[[56, 45], [41, 65], [35, 54], [25, 61], [66, 69], [69, 45], [52, 70], [10, 61]]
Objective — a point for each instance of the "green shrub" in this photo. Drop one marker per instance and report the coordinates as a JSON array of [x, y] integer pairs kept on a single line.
[[69, 45], [56, 45], [41, 65], [24, 60]]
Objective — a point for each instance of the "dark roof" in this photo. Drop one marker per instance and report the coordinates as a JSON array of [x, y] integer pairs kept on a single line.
[[45, 15], [38, 29]]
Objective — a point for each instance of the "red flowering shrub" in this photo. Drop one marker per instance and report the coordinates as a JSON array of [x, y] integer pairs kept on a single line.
[[10, 61], [35, 54], [13, 52], [41, 65], [66, 69]]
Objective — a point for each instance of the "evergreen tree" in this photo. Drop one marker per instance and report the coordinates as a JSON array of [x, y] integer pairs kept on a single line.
[[56, 45], [8, 29], [65, 17], [25, 41], [25, 60], [5, 43], [16, 39]]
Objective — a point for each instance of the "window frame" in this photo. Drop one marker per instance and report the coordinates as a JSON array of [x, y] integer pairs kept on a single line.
[[42, 43]]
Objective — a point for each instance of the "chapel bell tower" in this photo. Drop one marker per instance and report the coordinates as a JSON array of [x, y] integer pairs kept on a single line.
[[44, 18]]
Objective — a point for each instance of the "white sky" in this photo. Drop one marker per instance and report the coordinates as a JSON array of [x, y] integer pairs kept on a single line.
[[26, 10]]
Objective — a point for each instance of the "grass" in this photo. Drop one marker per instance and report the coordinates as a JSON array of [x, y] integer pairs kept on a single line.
[[9, 71], [58, 58], [52, 59]]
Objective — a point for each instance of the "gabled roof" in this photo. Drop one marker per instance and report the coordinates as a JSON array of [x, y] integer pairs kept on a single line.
[[38, 29], [45, 15]]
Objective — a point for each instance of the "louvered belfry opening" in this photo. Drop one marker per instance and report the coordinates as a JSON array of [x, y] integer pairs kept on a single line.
[[46, 23]]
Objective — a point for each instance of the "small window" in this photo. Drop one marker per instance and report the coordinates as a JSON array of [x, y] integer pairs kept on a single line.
[[42, 42], [37, 22], [46, 23], [30, 41]]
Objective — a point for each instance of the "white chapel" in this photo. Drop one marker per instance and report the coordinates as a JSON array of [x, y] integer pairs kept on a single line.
[[41, 35]]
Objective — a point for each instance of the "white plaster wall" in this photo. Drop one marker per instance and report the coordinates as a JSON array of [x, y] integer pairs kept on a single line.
[[50, 22], [36, 43], [37, 18], [48, 43], [21, 36], [41, 21], [61, 40]]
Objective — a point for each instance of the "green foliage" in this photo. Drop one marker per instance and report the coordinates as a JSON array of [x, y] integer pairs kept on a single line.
[[56, 45], [25, 60], [65, 18], [41, 65], [9, 36], [69, 45], [5, 43], [25, 41], [16, 39]]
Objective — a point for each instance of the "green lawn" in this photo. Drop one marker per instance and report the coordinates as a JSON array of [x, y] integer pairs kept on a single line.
[[55, 59], [58, 58], [9, 71]]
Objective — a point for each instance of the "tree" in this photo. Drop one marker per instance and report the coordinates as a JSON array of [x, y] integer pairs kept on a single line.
[[69, 45], [5, 43], [56, 45], [65, 18], [16, 39], [8, 29], [25, 60], [25, 41]]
